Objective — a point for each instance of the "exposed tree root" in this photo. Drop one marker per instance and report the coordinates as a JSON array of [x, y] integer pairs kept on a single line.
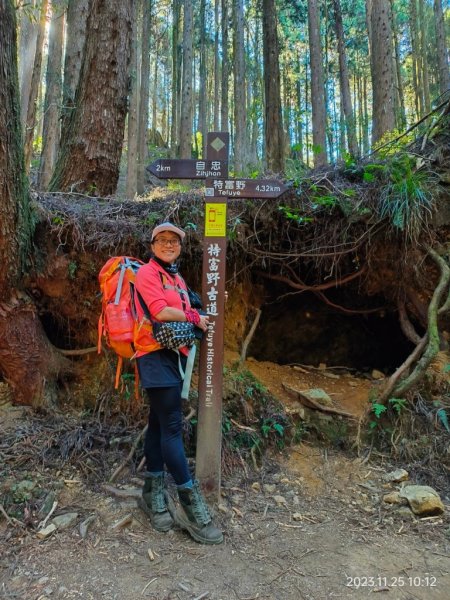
[[406, 325], [429, 342], [299, 285], [29, 363], [392, 381], [79, 352], [249, 337]]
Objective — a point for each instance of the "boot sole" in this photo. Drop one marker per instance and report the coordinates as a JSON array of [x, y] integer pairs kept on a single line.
[[186, 524], [143, 506]]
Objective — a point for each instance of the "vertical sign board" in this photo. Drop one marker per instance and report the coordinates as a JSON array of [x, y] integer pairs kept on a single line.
[[209, 432]]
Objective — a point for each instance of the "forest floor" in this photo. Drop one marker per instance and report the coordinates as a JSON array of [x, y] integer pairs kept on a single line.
[[311, 524]]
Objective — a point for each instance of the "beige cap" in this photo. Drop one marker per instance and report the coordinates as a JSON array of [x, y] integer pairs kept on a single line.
[[168, 227]]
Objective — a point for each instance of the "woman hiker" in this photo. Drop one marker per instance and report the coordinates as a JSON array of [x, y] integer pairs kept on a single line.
[[164, 293]]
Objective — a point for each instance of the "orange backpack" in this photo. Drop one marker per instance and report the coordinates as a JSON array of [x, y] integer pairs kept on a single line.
[[118, 317]]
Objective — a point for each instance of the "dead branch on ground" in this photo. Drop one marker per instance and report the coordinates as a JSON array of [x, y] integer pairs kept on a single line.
[[129, 456], [310, 403]]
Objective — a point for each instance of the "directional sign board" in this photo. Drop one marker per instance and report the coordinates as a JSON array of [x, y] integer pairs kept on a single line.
[[244, 188], [167, 168]]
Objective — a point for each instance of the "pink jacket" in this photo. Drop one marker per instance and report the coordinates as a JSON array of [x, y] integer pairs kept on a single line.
[[160, 289]]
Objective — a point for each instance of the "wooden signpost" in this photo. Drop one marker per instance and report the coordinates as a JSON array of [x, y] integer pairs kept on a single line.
[[179, 168], [244, 188], [209, 430], [218, 188]]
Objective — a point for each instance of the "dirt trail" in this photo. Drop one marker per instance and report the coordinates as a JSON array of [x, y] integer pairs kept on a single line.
[[311, 524], [347, 392]]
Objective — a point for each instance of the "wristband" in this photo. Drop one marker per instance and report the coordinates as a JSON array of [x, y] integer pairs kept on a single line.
[[192, 316]]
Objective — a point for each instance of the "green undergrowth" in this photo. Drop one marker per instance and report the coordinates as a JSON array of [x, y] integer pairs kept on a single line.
[[396, 189], [426, 407], [253, 421], [415, 430]]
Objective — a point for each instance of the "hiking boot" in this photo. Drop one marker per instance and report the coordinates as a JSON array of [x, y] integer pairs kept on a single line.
[[194, 516], [154, 503]]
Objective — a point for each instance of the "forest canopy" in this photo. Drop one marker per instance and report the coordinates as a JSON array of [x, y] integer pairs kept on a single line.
[[297, 84]]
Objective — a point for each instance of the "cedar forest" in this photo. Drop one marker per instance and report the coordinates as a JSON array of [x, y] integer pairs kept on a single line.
[[346, 101]]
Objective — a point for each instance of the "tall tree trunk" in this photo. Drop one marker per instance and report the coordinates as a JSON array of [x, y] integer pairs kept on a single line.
[[342, 130], [34, 89], [286, 103], [319, 123], [90, 154], [365, 120], [155, 90], [217, 73], [254, 86], [258, 86], [14, 201], [77, 12], [195, 149], [225, 69], [202, 92], [52, 103], [133, 110], [249, 98], [27, 361], [273, 122], [382, 72], [369, 4], [442, 51], [145, 93], [350, 124], [400, 99], [299, 115], [424, 57], [176, 79], [27, 50], [210, 84], [333, 120], [165, 105], [307, 103], [240, 116], [359, 104], [186, 92], [252, 100], [328, 79], [416, 62]]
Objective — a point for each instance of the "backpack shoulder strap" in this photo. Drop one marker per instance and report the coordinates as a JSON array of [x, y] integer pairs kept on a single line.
[[143, 305], [167, 286], [123, 267]]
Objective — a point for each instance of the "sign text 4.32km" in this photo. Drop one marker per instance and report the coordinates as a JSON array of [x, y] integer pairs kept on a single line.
[[244, 188]]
